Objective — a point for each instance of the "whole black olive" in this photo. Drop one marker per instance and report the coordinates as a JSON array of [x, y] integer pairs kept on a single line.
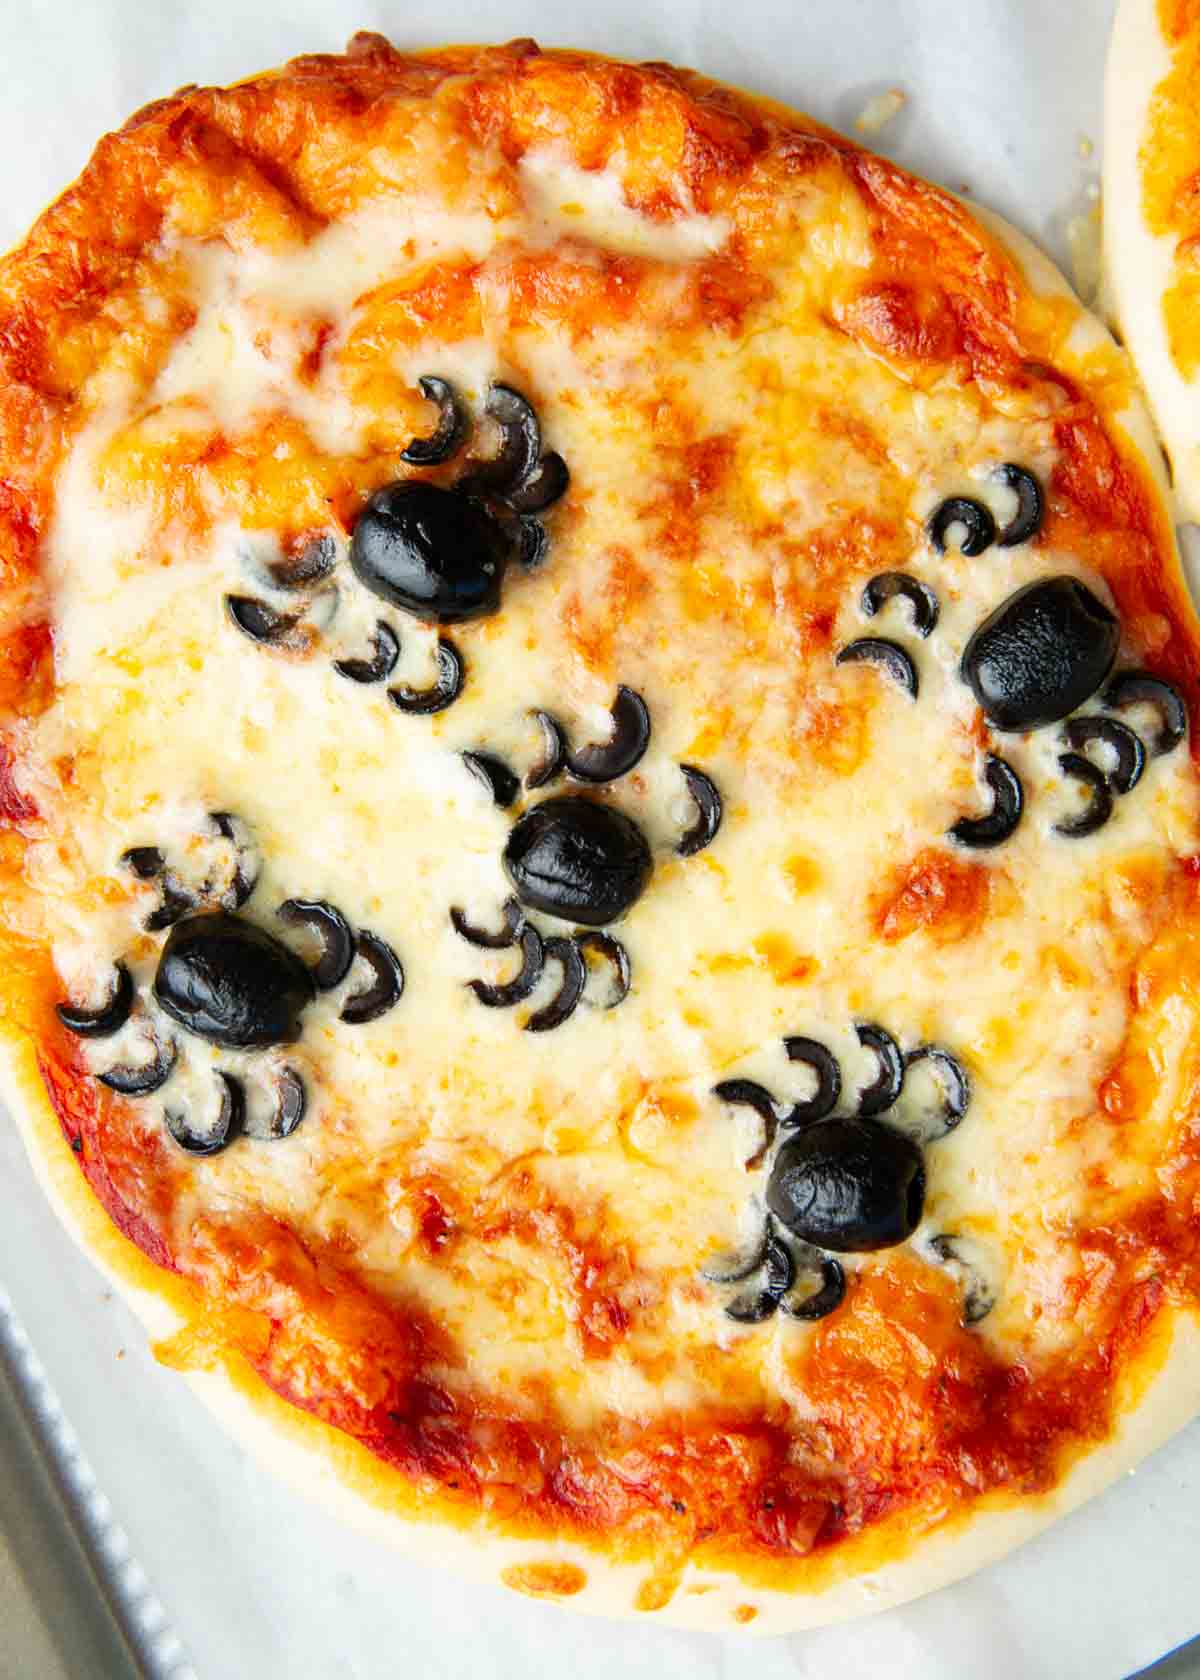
[[436, 553], [1043, 652], [577, 859], [849, 1185], [229, 981]]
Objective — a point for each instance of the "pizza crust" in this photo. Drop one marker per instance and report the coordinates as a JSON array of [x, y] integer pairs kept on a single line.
[[1160, 1396]]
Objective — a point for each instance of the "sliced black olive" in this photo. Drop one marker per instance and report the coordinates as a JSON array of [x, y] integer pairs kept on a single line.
[[777, 1274], [1130, 753], [314, 561], [532, 542], [495, 776], [517, 989], [387, 983], [920, 597], [617, 959], [850, 1185], [435, 553], [423, 702], [514, 922], [978, 1296], [230, 1120], [1129, 688], [245, 859], [175, 902], [149, 1077], [291, 1101], [447, 434], [254, 618], [1027, 521], [1098, 808], [955, 1086], [978, 525], [334, 932], [520, 442], [546, 484], [111, 1015], [1008, 802], [382, 662], [884, 1090], [568, 956], [746, 1093], [811, 1053], [1042, 653], [145, 862], [231, 982], [709, 811], [554, 758], [629, 739], [829, 1277], [889, 656], [735, 1268], [574, 858]]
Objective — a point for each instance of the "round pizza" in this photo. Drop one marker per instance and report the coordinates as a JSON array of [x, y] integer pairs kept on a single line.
[[600, 835]]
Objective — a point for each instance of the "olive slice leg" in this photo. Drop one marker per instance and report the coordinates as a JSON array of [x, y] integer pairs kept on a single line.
[[385, 645], [423, 702], [447, 434], [883, 1091], [747, 1094], [624, 748], [143, 862], [495, 776], [1128, 688], [979, 527], [334, 932], [111, 1015], [1080, 732], [554, 756], [1027, 521], [1099, 807], [978, 1295], [1008, 803], [262, 624], [617, 958], [314, 561], [819, 1302], [175, 901], [775, 1278], [955, 1085], [736, 1268], [245, 859], [888, 656], [144, 1080], [230, 1121], [922, 600], [514, 922], [517, 989], [567, 954], [709, 811], [812, 1053], [546, 484], [520, 440], [532, 542], [291, 1103], [387, 984]]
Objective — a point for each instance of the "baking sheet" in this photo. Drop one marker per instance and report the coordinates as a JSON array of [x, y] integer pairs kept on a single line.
[[1003, 100]]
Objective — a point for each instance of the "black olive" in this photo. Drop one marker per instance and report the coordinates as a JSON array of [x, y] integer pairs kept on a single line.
[[889, 656], [554, 756], [773, 1280], [978, 525], [314, 561], [617, 958], [532, 542], [423, 702], [579, 860], [812, 1304], [625, 746], [811, 1053], [291, 1101], [748, 1094], [447, 434], [494, 775], [386, 986], [230, 1120], [884, 1090], [333, 930], [1080, 732], [254, 618], [381, 664], [516, 990], [245, 858], [567, 955], [526, 479], [920, 597], [1129, 688], [978, 1296], [145, 862], [140, 1081], [435, 553], [709, 811], [175, 901], [514, 921], [1008, 802], [850, 1185], [111, 1015], [1042, 653], [735, 1268], [229, 981], [1027, 521], [956, 1087], [546, 484], [1098, 808]]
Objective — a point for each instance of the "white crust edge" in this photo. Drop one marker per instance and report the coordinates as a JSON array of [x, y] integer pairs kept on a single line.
[[1170, 1400]]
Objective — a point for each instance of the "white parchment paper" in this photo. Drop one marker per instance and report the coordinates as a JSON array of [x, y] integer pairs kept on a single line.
[[1003, 97]]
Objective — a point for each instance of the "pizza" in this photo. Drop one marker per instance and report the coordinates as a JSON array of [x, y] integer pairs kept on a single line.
[[600, 830], [1151, 219]]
